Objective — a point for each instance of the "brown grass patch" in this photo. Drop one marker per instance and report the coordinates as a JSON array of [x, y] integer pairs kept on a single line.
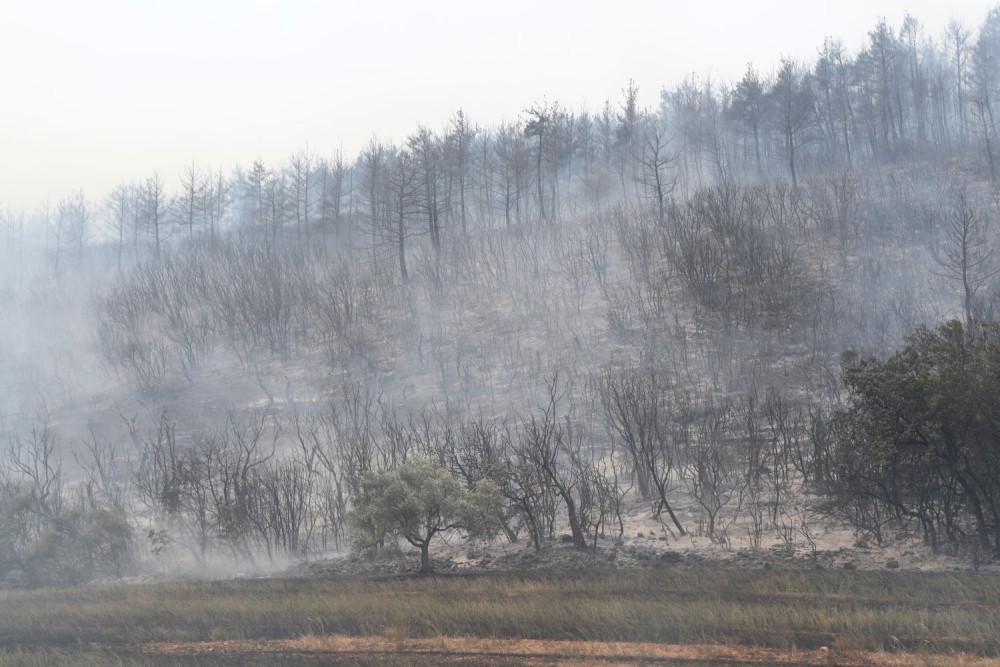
[[451, 650]]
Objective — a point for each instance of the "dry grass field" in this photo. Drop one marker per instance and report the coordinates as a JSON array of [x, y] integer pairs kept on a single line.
[[669, 615]]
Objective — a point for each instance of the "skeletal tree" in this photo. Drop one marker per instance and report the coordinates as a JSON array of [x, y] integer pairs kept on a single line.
[[276, 201], [749, 106], [460, 136], [627, 138], [154, 204], [332, 174], [35, 464], [218, 193], [122, 206], [637, 409], [481, 449], [159, 481], [373, 165], [655, 160], [915, 72], [882, 62], [511, 164], [404, 190], [547, 448], [300, 168], [986, 83], [255, 196], [793, 111], [530, 495], [957, 40], [72, 227], [842, 78], [539, 125], [426, 150], [192, 199], [967, 254], [230, 463], [106, 468], [711, 470]]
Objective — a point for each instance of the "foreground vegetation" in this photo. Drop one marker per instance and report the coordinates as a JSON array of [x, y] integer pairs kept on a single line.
[[844, 611]]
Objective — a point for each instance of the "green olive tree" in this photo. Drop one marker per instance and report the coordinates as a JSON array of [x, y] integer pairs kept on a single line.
[[418, 501]]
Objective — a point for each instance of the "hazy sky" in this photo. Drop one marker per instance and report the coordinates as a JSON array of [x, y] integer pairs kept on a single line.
[[101, 92]]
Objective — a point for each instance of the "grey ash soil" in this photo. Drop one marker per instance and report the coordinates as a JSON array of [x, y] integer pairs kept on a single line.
[[560, 556], [647, 543]]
